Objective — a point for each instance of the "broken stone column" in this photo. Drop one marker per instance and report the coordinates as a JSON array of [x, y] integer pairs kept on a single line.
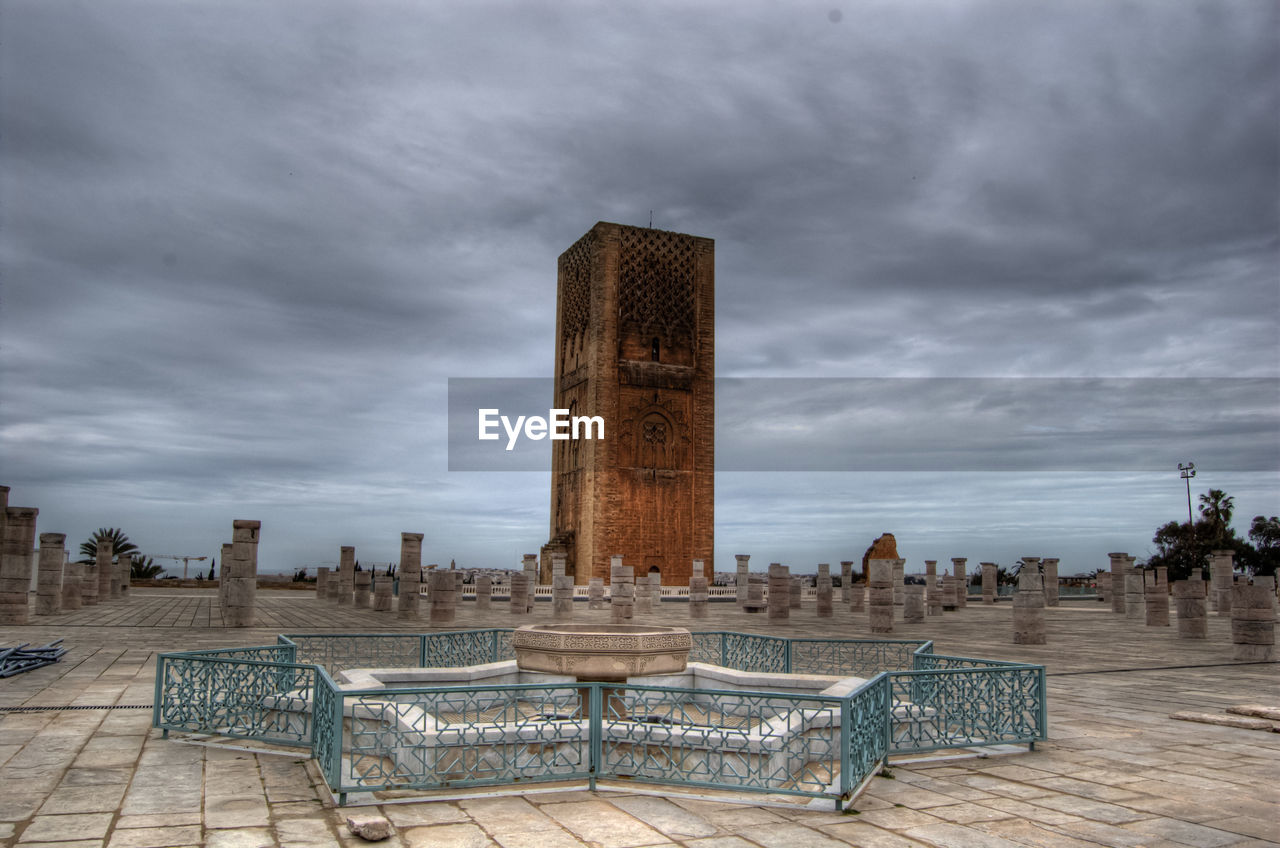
[[622, 590], [382, 592], [444, 597], [49, 576], [1103, 580], [363, 581], [595, 593], [408, 602], [913, 603], [755, 593], [103, 566], [561, 591], [846, 581], [1028, 605], [990, 577], [16, 547], [1189, 604], [242, 574], [857, 595], [642, 604], [961, 574], [1253, 623], [779, 592], [346, 575], [932, 595], [1222, 578], [72, 581], [1119, 562], [880, 583], [1155, 591], [797, 592], [697, 591], [519, 593], [1134, 605], [484, 593], [824, 591], [899, 575], [742, 578], [531, 571], [322, 583], [949, 601], [1051, 581], [224, 576], [1270, 583]]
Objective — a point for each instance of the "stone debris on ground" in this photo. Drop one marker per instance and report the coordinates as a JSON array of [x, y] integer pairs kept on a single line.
[[1226, 720], [370, 828]]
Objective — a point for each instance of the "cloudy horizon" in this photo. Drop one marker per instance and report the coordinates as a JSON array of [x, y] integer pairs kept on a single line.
[[244, 247]]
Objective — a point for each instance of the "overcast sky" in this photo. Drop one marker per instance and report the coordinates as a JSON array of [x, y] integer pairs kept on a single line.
[[245, 245]]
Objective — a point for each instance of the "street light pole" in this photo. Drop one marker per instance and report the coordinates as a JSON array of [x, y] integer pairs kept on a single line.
[[1188, 471]]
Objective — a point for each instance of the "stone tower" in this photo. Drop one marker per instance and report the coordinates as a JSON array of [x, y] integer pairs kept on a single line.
[[635, 344]]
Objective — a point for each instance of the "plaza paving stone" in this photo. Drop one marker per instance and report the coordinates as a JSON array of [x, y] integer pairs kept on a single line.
[[1115, 771]]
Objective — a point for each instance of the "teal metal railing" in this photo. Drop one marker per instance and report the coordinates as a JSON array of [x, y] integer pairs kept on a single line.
[[436, 737]]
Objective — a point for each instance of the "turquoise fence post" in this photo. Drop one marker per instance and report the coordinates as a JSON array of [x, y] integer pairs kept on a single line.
[[159, 707], [846, 751], [595, 732], [1042, 720], [422, 650]]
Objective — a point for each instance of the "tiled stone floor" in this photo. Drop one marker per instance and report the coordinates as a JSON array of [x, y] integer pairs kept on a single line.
[[1115, 772]]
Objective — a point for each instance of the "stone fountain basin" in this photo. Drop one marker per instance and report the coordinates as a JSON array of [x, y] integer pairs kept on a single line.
[[602, 652]]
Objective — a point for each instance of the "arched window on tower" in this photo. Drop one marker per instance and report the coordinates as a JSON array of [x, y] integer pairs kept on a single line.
[[655, 349]]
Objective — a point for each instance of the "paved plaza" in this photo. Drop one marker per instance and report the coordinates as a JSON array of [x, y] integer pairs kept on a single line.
[[86, 769]]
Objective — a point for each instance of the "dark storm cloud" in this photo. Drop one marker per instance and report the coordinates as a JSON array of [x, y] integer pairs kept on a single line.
[[245, 245]]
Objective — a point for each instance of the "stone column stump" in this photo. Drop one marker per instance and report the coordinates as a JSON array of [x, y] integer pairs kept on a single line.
[[880, 583], [824, 592], [742, 579], [1116, 589], [242, 574], [595, 593], [104, 564], [755, 593], [322, 583], [913, 603], [530, 564], [363, 582], [1222, 576], [899, 575], [1104, 587], [779, 592], [643, 604], [622, 590], [409, 600], [846, 581], [382, 584], [1253, 623], [1189, 604], [49, 576], [990, 577], [949, 592], [72, 581], [1050, 581], [697, 591], [932, 596], [519, 602], [17, 544], [961, 574], [346, 576], [444, 597], [1028, 608], [1134, 605], [797, 592], [1155, 592]]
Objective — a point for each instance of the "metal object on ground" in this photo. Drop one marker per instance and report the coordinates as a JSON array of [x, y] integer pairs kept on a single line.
[[24, 657]]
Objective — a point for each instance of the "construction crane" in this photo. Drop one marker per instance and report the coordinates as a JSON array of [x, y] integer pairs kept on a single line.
[[185, 560]]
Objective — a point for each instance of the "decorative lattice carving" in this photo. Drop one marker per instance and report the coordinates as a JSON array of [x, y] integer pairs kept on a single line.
[[655, 280], [575, 265]]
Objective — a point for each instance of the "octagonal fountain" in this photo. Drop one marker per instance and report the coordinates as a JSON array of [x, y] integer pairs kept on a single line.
[[602, 652]]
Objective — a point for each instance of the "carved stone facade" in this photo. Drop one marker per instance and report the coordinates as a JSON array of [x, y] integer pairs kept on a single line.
[[635, 344]]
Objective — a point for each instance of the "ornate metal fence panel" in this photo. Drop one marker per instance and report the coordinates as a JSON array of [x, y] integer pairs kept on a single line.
[[336, 652], [868, 732], [858, 657], [465, 647], [326, 728], [432, 738], [748, 652], [280, 653], [961, 708], [708, 648], [249, 699], [723, 739], [926, 662]]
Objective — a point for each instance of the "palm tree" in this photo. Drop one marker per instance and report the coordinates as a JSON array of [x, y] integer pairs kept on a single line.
[[1216, 506], [120, 544], [145, 569]]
